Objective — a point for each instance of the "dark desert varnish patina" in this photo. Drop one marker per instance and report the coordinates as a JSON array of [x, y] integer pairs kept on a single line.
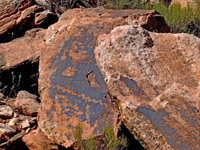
[[155, 77], [71, 85]]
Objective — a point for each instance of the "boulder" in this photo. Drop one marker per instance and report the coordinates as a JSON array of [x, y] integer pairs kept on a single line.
[[26, 95], [10, 11], [72, 88], [16, 13], [154, 78], [6, 112], [18, 16], [27, 103], [26, 48], [5, 129], [19, 62], [36, 140]]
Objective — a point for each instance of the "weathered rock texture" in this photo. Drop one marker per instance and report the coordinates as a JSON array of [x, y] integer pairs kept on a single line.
[[155, 80], [26, 48], [13, 13], [36, 140], [71, 86], [16, 16], [19, 62], [5, 129], [6, 112], [18, 54], [27, 103]]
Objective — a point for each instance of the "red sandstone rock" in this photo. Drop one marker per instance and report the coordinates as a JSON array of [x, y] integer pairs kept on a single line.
[[26, 48], [13, 13], [18, 16], [27, 103], [71, 86], [155, 81], [36, 140]]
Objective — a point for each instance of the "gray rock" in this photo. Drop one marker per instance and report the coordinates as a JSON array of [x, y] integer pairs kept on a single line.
[[6, 112], [7, 130]]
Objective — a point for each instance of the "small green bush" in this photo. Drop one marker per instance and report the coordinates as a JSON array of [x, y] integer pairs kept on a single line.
[[110, 141], [123, 4], [90, 142], [180, 19], [78, 136]]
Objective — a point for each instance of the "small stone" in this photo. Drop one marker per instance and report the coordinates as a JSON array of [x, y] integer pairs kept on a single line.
[[13, 122], [7, 130], [15, 115], [27, 103], [6, 112], [28, 130], [25, 124], [25, 94]]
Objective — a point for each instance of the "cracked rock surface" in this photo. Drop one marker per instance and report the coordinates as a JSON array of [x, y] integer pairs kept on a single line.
[[71, 86], [154, 78]]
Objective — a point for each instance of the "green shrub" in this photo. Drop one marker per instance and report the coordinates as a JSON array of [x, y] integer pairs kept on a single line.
[[180, 19], [123, 4], [78, 136], [71, 3], [109, 140], [90, 142]]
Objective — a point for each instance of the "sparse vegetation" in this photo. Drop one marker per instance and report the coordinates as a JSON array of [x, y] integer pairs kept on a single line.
[[109, 140], [78, 137], [71, 3], [90, 142], [123, 4], [180, 19], [15, 85]]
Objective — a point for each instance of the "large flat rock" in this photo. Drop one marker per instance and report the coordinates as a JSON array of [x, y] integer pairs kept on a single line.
[[13, 13], [72, 88], [26, 48], [154, 78]]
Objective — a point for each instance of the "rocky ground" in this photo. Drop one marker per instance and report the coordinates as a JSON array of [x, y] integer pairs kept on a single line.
[[95, 67]]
